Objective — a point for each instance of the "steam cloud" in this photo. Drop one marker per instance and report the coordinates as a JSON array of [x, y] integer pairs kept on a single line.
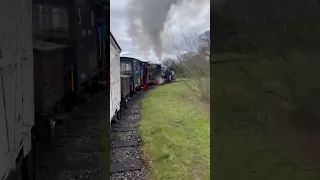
[[146, 22], [147, 19]]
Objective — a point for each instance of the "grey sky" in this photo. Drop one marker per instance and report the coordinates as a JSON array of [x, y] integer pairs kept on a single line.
[[190, 16]]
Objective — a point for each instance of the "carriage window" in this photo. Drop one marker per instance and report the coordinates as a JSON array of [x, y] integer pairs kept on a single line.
[[50, 21]]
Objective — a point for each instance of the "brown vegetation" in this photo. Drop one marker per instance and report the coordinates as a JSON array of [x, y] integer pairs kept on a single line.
[[194, 63]]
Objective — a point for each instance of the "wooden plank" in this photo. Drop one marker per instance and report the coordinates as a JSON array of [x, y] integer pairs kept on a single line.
[[124, 144], [126, 166]]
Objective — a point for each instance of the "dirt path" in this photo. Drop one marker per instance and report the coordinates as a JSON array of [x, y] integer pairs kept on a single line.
[[126, 154], [76, 152]]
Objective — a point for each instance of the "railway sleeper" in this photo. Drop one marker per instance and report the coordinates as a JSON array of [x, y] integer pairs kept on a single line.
[[125, 166], [125, 125], [125, 144]]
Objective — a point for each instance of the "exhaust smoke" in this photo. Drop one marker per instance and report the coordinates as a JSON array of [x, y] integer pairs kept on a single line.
[[160, 80], [146, 23], [147, 19]]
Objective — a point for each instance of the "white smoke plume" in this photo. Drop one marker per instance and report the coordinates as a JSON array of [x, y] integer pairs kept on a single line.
[[146, 20]]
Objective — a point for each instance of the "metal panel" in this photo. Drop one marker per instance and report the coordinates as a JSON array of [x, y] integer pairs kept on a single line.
[[86, 40], [125, 85], [145, 77], [82, 58], [126, 66], [115, 92], [92, 41], [81, 24], [137, 77], [155, 70], [131, 66]]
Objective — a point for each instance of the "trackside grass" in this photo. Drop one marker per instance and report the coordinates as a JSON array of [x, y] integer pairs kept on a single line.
[[175, 132], [254, 133]]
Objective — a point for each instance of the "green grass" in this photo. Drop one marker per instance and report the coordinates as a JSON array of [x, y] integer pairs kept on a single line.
[[245, 147], [176, 134]]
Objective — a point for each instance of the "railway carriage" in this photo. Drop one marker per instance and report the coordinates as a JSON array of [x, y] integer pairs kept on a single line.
[[51, 51], [125, 89], [131, 66], [145, 75], [16, 88], [115, 80], [155, 70]]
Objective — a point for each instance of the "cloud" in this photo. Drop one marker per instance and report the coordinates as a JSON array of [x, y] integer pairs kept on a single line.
[[188, 16]]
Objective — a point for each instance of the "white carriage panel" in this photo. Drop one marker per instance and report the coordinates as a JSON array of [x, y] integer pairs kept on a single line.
[[112, 88], [115, 93]]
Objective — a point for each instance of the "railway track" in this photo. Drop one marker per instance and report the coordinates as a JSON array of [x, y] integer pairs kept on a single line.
[[125, 153]]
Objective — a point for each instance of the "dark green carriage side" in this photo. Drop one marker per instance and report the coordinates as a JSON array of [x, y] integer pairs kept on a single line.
[[131, 66], [155, 70], [137, 79], [86, 40], [125, 88], [163, 71], [126, 66]]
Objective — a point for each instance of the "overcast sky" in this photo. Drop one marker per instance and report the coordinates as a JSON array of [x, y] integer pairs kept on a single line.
[[190, 17]]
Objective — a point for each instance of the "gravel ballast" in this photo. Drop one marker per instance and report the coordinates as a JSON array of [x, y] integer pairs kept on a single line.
[[124, 136], [124, 154], [130, 119]]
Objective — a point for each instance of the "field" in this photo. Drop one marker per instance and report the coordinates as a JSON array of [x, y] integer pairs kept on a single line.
[[175, 131], [254, 133]]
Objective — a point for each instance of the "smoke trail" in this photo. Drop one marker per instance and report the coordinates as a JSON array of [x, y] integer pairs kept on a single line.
[[146, 22]]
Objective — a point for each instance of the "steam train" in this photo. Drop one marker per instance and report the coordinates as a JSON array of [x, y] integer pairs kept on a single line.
[[53, 56], [58, 57], [137, 75]]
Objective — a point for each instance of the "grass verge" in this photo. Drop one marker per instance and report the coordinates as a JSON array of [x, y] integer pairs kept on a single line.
[[176, 134], [253, 133]]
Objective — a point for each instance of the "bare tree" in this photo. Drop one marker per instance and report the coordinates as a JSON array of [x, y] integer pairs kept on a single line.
[[168, 62], [193, 58]]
